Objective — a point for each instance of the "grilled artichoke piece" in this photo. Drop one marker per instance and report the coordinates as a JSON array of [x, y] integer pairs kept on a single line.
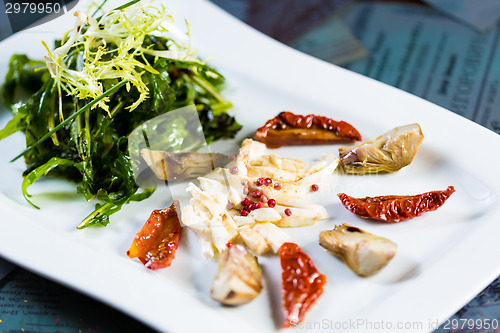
[[239, 278], [364, 253], [389, 152], [180, 166]]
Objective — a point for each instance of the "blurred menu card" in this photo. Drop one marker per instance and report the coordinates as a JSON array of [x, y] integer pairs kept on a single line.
[[479, 14], [419, 50], [331, 41], [31, 304], [309, 26], [5, 268]]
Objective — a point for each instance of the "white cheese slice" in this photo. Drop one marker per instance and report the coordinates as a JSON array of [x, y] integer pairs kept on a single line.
[[273, 235], [253, 240]]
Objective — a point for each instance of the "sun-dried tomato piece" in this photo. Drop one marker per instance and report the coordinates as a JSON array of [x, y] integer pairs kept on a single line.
[[156, 242], [302, 283], [396, 208], [290, 129]]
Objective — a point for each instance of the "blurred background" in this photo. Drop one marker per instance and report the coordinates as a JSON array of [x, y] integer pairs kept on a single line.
[[445, 51]]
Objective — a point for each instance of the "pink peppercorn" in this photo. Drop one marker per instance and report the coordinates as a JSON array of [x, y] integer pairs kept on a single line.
[[245, 202], [256, 194], [314, 187], [243, 212], [271, 203], [259, 181], [268, 181], [234, 170], [288, 212], [263, 198], [277, 186]]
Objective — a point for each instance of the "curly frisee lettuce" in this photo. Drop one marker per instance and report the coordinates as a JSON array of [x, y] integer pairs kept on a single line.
[[103, 79]]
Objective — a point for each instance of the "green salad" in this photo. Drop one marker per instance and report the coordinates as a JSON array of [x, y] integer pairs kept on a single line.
[[104, 78]]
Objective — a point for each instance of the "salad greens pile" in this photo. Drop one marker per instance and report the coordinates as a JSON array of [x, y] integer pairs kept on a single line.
[[104, 78]]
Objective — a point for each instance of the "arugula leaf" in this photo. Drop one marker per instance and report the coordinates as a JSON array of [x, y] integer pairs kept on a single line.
[[14, 125], [25, 73], [100, 216], [67, 120], [43, 170]]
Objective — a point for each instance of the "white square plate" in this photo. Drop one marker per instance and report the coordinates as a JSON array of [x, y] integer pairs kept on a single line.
[[444, 259]]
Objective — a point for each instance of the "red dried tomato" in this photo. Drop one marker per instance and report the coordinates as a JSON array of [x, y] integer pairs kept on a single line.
[[291, 129], [156, 242], [396, 208], [302, 283]]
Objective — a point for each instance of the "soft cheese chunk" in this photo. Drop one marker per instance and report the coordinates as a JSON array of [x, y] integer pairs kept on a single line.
[[218, 215]]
